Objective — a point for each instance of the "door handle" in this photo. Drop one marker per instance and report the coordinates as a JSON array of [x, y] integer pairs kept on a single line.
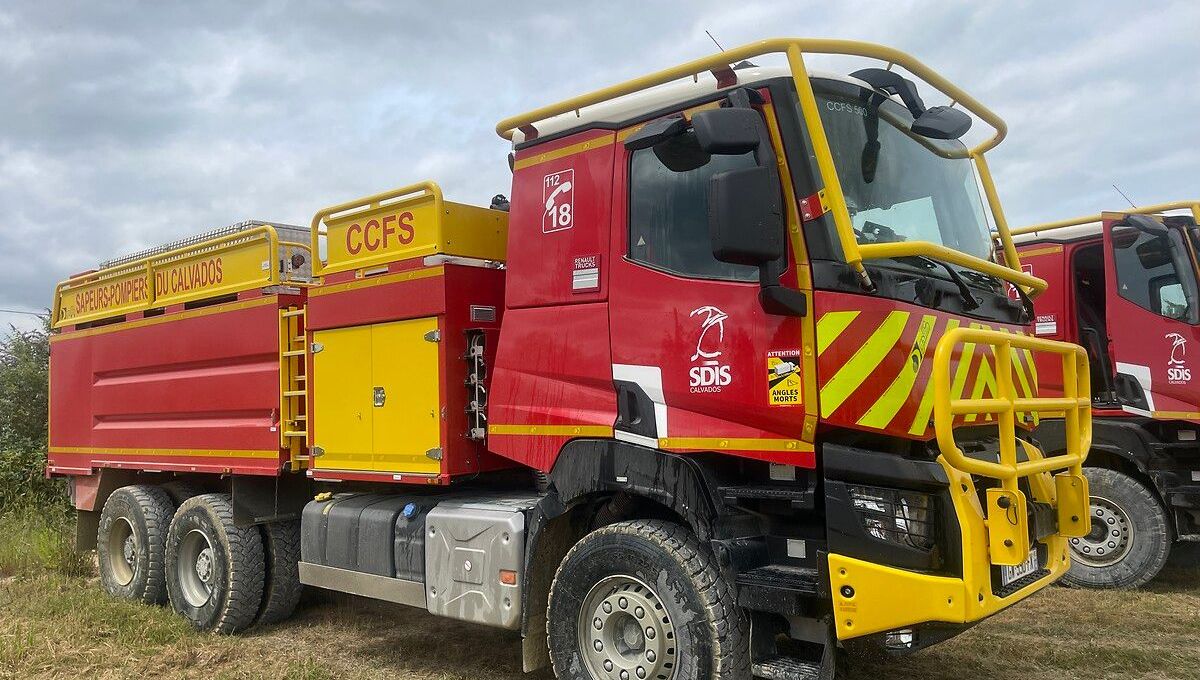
[[380, 396]]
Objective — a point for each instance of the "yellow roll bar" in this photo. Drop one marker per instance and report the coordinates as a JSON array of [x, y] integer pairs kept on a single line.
[[1076, 404], [1193, 206], [833, 198], [419, 190], [251, 269]]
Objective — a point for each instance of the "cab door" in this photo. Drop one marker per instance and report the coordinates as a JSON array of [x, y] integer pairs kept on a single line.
[[697, 363], [1153, 318]]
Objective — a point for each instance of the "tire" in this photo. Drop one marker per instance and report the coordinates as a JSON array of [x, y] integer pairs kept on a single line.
[[131, 543], [690, 628], [282, 588], [1130, 538], [180, 491], [215, 569]]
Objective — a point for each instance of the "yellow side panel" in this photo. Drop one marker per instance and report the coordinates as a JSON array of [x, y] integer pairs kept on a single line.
[[342, 399], [407, 425]]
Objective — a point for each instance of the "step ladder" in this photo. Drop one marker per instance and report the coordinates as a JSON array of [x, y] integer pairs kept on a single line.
[[293, 387]]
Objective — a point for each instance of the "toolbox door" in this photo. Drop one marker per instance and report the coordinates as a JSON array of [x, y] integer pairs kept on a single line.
[[406, 397], [342, 399]]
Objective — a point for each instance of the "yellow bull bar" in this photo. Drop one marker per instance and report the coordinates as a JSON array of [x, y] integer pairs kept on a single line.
[[832, 196], [1006, 513], [871, 598]]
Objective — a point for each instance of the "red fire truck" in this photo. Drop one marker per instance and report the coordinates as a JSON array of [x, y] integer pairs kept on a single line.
[[734, 365], [1124, 285]]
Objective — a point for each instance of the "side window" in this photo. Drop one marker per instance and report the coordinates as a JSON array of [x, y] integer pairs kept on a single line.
[[668, 210], [1148, 274]]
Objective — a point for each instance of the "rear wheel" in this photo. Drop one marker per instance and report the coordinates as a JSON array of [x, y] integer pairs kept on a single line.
[[282, 588], [180, 491], [215, 569], [1130, 540], [131, 543], [643, 600]]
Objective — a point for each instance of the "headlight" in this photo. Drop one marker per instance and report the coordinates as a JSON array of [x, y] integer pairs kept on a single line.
[[894, 515]]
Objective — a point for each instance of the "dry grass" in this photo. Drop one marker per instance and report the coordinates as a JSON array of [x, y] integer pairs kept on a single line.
[[57, 625]]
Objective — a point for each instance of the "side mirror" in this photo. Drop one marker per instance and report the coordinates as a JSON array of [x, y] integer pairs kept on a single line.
[[745, 216], [942, 122], [727, 132]]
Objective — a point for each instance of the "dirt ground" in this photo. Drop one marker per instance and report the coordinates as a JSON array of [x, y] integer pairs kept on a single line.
[[58, 626]]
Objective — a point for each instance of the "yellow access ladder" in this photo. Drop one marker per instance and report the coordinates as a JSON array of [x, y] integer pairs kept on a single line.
[[293, 386]]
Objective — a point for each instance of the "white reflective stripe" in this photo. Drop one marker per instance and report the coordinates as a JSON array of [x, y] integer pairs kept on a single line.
[[1142, 375], [639, 439], [649, 378]]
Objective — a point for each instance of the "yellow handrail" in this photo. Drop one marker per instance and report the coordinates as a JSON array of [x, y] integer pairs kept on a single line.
[[832, 196], [1193, 206], [148, 265], [1075, 403], [871, 251], [372, 202]]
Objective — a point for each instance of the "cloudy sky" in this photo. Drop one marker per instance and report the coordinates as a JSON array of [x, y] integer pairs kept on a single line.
[[125, 124]]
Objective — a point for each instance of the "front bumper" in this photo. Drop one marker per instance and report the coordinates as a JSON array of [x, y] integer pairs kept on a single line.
[[870, 598]]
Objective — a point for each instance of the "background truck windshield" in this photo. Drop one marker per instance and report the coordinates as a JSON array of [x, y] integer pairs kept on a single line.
[[898, 188]]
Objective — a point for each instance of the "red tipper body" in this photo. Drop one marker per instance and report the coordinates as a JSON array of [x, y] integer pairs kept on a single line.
[[190, 390], [172, 360]]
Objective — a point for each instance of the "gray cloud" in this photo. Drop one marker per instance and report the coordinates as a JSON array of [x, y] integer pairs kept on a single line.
[[126, 124]]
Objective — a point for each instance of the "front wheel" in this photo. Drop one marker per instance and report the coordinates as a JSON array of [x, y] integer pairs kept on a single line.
[[1130, 538], [642, 600]]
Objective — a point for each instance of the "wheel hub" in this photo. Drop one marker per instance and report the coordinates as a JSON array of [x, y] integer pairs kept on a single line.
[[204, 565], [1111, 537], [625, 632], [128, 550]]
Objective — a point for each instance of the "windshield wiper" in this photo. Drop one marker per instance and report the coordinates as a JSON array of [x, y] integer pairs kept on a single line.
[[970, 302]]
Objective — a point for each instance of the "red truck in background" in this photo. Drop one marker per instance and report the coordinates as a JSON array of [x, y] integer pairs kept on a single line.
[[1124, 285]]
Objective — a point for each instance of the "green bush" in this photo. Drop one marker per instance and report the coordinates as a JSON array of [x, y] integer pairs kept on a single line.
[[24, 404]]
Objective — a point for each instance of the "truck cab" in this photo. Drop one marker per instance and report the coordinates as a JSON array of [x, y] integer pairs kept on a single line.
[[774, 289], [1124, 285]]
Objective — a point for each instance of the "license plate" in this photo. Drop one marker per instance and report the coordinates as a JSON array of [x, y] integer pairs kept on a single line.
[[1010, 574]]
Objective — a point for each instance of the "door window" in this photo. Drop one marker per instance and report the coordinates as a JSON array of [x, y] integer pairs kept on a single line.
[[668, 209], [1150, 276]]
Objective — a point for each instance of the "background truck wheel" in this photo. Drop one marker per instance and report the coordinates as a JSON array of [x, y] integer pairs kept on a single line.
[[642, 600], [1130, 539], [282, 589], [131, 543], [215, 569]]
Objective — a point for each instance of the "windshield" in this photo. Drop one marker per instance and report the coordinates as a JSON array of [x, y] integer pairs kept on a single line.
[[898, 188]]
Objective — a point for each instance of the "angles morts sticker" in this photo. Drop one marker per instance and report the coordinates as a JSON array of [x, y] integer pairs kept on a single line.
[[783, 378]]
